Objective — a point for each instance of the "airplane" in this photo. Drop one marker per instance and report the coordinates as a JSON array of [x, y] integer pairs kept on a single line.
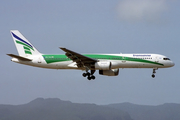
[[107, 64]]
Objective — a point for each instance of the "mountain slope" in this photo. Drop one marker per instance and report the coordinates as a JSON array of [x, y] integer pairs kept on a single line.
[[56, 109], [168, 111]]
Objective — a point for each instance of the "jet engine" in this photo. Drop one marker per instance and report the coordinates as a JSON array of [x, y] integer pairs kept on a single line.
[[103, 65], [112, 72]]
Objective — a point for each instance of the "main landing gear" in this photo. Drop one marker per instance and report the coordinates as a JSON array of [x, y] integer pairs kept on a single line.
[[89, 75], [154, 71]]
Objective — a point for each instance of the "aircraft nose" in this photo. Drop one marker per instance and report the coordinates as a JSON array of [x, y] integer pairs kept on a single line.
[[171, 64]]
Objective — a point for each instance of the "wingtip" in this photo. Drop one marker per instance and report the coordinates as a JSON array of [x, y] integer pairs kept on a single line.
[[62, 47]]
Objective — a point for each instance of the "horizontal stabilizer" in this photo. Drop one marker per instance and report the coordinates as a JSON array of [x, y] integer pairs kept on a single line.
[[19, 57]]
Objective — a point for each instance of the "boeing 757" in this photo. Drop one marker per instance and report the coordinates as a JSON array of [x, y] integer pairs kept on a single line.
[[106, 64]]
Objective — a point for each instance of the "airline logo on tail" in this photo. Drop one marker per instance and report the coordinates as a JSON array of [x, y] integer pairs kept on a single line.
[[27, 46]]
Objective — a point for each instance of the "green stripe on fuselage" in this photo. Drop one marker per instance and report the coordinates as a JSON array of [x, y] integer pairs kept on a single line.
[[62, 58], [112, 57], [55, 58]]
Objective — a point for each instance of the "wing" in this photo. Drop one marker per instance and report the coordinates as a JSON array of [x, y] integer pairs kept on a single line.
[[81, 60]]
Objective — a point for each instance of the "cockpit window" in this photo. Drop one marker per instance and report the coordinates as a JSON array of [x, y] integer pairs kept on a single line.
[[166, 59]]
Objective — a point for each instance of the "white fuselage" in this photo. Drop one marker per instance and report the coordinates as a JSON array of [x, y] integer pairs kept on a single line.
[[126, 61], [107, 64]]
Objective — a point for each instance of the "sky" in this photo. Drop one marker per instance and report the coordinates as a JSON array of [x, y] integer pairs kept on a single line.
[[91, 26]]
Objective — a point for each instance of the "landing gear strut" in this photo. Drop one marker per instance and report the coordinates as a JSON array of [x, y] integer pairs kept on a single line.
[[154, 71], [89, 75]]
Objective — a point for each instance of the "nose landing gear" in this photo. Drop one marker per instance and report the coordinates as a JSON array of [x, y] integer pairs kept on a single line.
[[154, 71], [153, 76]]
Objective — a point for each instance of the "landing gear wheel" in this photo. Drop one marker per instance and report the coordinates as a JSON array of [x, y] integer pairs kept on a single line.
[[154, 71], [88, 74], [153, 76], [93, 77], [89, 78], [84, 74]]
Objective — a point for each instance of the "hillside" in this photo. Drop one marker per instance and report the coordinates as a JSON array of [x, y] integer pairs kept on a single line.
[[168, 111], [56, 109]]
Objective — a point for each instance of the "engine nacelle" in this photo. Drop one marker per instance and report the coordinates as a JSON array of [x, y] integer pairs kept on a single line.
[[103, 65], [112, 72]]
